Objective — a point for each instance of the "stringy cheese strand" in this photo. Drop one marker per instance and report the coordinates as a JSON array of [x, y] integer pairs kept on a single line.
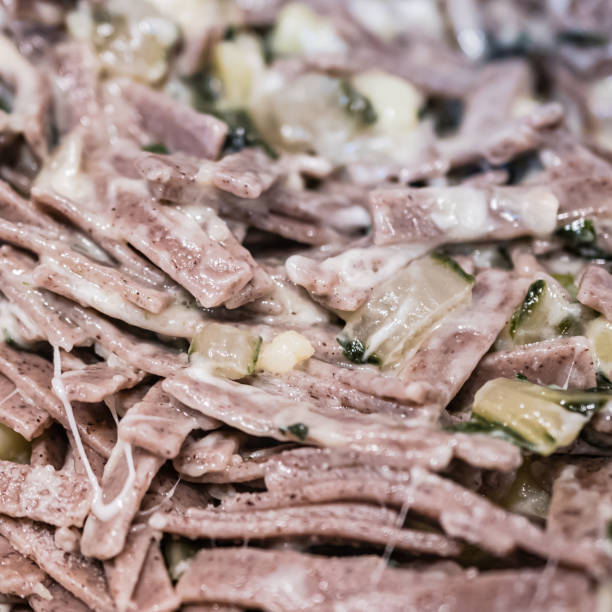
[[103, 511]]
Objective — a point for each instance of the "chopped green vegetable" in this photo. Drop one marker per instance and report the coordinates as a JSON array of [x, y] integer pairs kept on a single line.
[[581, 231], [569, 326], [230, 33], [445, 112], [264, 34], [227, 350], [206, 90], [53, 135], [156, 147], [603, 382], [520, 376], [445, 260], [13, 446], [299, 430], [6, 98], [580, 238], [527, 496], [545, 313], [531, 301], [478, 425], [539, 418], [522, 165], [401, 310], [177, 554], [522, 45], [354, 351], [567, 281], [356, 104], [596, 438], [242, 132], [582, 38]]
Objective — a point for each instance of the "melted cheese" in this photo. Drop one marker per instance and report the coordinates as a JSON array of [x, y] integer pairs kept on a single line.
[[365, 268], [104, 511], [63, 173], [467, 213], [176, 319], [13, 321]]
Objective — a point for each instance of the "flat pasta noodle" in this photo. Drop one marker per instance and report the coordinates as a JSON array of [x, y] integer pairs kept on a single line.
[[305, 305]]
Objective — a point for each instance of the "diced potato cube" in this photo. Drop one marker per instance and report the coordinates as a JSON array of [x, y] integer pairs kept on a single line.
[[301, 31], [238, 64], [284, 352], [394, 99]]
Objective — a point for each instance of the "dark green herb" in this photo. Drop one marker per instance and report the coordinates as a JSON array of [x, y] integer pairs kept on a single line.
[[156, 147], [230, 33], [585, 408], [584, 405], [596, 438], [569, 326], [497, 49], [265, 36], [603, 382], [53, 135], [354, 351], [299, 430], [519, 167], [449, 262], [242, 132], [458, 174], [8, 339], [582, 38], [356, 104], [206, 89], [6, 98], [504, 260], [580, 238], [478, 425], [520, 376], [253, 366], [588, 401], [609, 530], [445, 112], [532, 299], [579, 232]]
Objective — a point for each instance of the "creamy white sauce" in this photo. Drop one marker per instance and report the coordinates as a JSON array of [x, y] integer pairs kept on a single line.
[[296, 305], [63, 173], [349, 218], [104, 511], [13, 319], [359, 268], [175, 320], [321, 429], [460, 211], [466, 213]]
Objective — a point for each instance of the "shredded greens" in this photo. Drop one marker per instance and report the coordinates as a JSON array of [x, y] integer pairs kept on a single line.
[[299, 430]]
